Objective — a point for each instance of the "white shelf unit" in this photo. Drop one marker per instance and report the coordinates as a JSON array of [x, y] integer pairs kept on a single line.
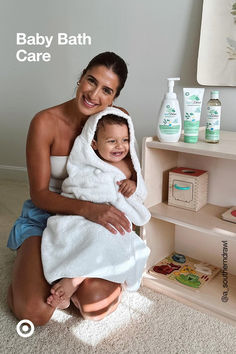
[[195, 234]]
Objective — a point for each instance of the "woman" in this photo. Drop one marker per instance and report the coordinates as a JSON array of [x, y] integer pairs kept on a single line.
[[49, 142]]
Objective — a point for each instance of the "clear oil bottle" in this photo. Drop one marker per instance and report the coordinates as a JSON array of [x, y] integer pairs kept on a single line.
[[212, 134]]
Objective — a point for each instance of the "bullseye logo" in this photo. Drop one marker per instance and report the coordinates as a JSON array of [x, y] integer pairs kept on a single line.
[[25, 328]]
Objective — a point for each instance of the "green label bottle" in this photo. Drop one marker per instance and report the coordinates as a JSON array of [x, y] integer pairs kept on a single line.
[[212, 134]]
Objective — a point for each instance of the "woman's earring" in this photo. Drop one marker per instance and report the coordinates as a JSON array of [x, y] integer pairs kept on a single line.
[[78, 83]]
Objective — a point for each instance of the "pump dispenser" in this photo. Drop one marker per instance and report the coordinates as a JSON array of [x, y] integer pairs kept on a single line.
[[169, 123]]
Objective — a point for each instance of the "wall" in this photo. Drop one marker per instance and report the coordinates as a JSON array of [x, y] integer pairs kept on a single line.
[[157, 39]]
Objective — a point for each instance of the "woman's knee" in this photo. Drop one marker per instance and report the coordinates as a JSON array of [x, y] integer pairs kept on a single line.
[[29, 290], [97, 297], [32, 309], [102, 313], [37, 313]]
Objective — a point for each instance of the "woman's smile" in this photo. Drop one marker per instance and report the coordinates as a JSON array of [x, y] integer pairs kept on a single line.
[[88, 103]]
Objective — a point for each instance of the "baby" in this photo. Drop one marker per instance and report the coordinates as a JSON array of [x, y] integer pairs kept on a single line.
[[111, 144]]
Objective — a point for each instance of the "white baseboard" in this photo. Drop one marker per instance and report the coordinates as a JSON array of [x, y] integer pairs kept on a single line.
[[13, 173]]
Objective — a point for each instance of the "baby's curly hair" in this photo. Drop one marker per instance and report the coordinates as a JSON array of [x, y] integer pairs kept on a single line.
[[110, 119]]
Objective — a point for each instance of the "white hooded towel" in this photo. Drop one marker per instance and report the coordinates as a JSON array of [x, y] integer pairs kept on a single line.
[[73, 246]]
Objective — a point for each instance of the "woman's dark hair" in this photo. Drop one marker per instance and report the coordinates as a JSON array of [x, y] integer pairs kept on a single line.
[[113, 62]]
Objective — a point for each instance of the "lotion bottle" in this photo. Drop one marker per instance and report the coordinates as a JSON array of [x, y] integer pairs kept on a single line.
[[169, 123], [212, 134]]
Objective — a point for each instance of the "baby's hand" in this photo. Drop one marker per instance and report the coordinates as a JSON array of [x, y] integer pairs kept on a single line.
[[127, 187]]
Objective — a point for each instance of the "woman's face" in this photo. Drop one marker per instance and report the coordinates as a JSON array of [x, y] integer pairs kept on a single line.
[[96, 90]]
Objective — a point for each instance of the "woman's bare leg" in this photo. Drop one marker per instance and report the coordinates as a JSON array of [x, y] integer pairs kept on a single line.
[[27, 295], [29, 289], [96, 298]]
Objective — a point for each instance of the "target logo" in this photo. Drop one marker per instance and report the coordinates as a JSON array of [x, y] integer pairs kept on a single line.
[[25, 328]]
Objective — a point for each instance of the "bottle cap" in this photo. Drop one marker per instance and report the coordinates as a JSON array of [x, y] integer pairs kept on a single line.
[[214, 95], [171, 81]]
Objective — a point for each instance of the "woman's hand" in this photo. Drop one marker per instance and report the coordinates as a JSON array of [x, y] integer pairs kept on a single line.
[[127, 187], [109, 217]]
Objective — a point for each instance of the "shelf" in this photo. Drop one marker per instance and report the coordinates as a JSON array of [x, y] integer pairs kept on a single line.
[[193, 236], [225, 149], [206, 220], [207, 298]]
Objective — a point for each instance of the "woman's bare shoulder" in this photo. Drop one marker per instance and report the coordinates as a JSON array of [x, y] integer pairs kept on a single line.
[[49, 116], [48, 113]]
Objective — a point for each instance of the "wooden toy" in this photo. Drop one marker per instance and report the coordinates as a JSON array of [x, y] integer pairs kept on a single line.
[[188, 188], [230, 215], [184, 270]]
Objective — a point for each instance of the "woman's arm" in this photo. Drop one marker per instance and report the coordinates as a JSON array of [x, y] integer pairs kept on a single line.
[[39, 142]]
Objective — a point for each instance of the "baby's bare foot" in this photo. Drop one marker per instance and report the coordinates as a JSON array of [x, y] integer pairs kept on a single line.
[[58, 302], [62, 291]]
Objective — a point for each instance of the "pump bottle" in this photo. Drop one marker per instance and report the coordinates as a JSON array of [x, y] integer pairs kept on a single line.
[[169, 123]]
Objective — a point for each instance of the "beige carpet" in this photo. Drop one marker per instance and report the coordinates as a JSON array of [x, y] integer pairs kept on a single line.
[[145, 322]]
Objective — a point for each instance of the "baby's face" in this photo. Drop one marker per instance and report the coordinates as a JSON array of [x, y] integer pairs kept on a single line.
[[112, 142]]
